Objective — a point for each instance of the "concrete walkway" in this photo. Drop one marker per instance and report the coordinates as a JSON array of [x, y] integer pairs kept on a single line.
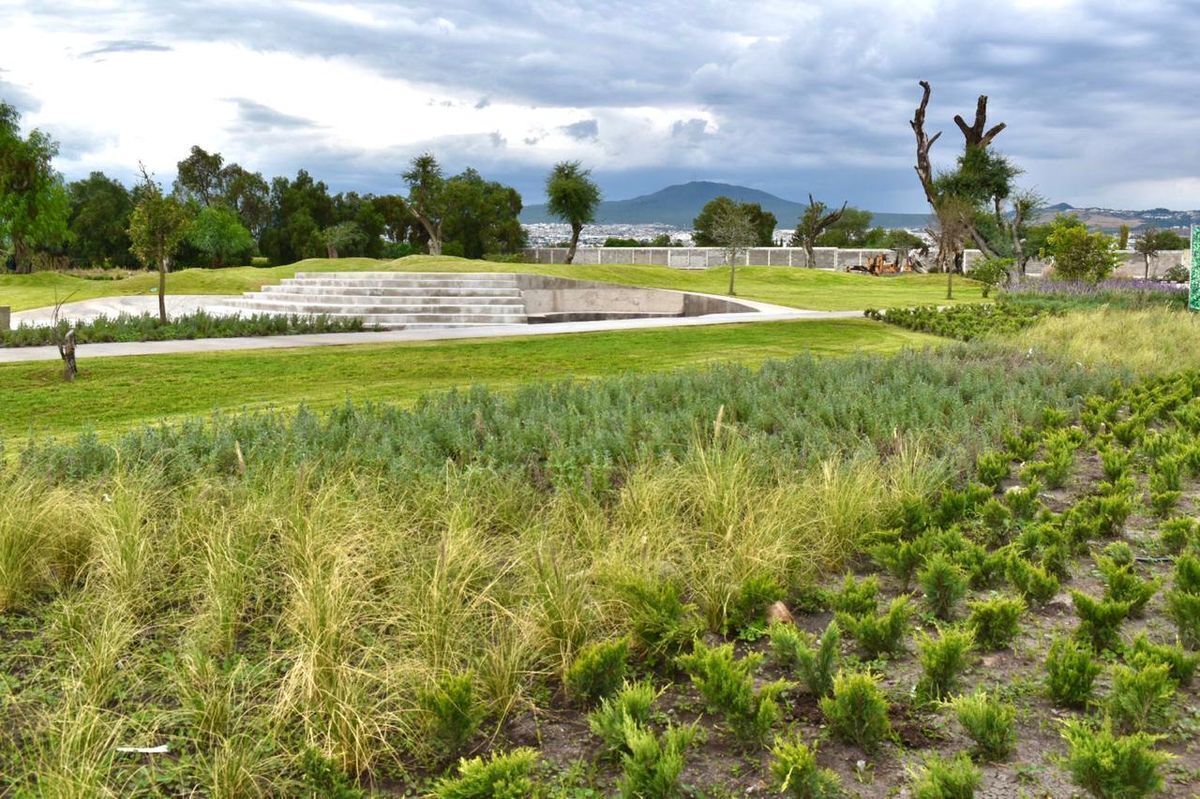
[[134, 304], [766, 313]]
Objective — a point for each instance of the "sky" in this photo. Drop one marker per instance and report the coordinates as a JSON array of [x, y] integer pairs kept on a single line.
[[1101, 98]]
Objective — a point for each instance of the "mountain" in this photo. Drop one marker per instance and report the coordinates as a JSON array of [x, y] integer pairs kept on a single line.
[[678, 206], [1110, 220]]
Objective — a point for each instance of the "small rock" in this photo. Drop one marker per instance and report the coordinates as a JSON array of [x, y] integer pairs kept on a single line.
[[778, 612]]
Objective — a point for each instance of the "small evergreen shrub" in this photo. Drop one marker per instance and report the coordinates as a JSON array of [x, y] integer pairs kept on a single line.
[[1022, 445], [947, 778], [900, 558], [1183, 608], [1109, 766], [1099, 622], [661, 623], [748, 604], [996, 516], [817, 664], [1187, 573], [1141, 697], [990, 722], [944, 583], [1177, 534], [857, 710], [631, 705], [993, 468], [1119, 553], [1163, 502], [1031, 581], [1181, 664], [501, 776], [1121, 584], [598, 670], [1024, 502], [727, 685], [452, 712], [1071, 672], [794, 767], [983, 566], [1114, 462], [881, 635], [857, 596], [942, 660], [995, 621], [652, 766]]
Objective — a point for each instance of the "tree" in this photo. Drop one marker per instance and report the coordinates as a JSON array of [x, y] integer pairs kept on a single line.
[[812, 224], [300, 210], [341, 236], [1153, 240], [733, 230], [249, 194], [572, 196], [157, 227], [99, 222], [704, 225], [481, 216], [853, 229], [34, 206], [427, 197], [1123, 238], [1077, 253], [218, 232], [200, 177]]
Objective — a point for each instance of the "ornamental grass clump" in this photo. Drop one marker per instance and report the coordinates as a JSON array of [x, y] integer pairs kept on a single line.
[[878, 635], [727, 685], [995, 621], [947, 778], [1110, 766], [816, 665], [990, 722], [942, 661], [1071, 671], [857, 710], [797, 774], [944, 583]]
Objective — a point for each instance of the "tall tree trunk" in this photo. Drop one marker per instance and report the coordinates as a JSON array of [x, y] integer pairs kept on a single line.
[[22, 256], [576, 229], [1146, 272], [732, 274], [163, 265], [810, 257]]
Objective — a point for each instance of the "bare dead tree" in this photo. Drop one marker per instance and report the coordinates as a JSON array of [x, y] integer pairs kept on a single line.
[[812, 224], [974, 134], [65, 341]]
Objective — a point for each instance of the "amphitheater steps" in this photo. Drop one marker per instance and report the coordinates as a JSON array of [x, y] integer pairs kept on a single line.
[[394, 300]]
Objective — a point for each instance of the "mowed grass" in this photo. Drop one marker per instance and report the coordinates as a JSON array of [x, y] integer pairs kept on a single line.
[[115, 393], [799, 288]]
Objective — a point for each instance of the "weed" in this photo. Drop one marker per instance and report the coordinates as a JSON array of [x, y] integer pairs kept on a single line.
[[797, 774], [1111, 766], [947, 778], [942, 660], [944, 584], [598, 670], [652, 765], [857, 710], [1141, 698], [990, 722], [995, 621], [727, 685], [1099, 622], [881, 635], [817, 666], [1071, 672], [500, 776]]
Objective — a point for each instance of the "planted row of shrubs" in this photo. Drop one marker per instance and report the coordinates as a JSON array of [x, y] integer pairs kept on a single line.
[[200, 324], [962, 322]]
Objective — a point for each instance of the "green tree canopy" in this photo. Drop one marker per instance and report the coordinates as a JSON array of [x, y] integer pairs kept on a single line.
[[482, 216], [218, 232], [158, 225], [1077, 253], [572, 196], [34, 205], [427, 197], [719, 208], [99, 222]]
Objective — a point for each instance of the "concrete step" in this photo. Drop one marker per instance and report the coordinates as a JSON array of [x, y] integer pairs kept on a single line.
[[366, 305], [400, 279], [434, 294]]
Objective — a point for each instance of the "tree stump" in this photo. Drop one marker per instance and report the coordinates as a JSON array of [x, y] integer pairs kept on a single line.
[[66, 349]]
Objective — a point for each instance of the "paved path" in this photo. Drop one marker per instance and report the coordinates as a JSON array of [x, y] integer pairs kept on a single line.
[[134, 304], [767, 313]]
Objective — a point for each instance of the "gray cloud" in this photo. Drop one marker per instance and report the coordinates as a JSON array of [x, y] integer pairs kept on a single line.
[[127, 46], [583, 130], [258, 117]]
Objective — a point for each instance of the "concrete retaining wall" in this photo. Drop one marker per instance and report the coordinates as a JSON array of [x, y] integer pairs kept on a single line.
[[5, 318], [556, 295]]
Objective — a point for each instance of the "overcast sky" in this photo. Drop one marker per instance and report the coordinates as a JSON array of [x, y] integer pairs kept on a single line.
[[1102, 98]]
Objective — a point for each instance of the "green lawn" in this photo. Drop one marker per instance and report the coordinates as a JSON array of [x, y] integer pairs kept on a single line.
[[800, 288], [115, 393]]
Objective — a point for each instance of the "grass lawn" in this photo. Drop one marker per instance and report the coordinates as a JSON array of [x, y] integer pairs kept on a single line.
[[115, 393], [800, 288]]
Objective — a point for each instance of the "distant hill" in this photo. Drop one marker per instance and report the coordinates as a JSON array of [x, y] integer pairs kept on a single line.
[[678, 206], [1111, 219]]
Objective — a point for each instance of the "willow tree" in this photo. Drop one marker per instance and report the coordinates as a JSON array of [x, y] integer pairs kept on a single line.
[[572, 196], [159, 224]]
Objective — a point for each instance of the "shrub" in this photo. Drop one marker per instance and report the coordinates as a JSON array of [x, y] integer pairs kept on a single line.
[[727, 686], [1099, 622], [1121, 584], [995, 621], [900, 558], [1141, 698], [990, 722], [1024, 502], [1053, 470], [1182, 665], [947, 778], [816, 666], [1177, 534], [857, 596], [1070, 673], [993, 468], [652, 765], [1184, 609], [857, 710], [1114, 462], [452, 712], [944, 584], [1119, 553], [1109, 766], [992, 272], [1163, 502], [502, 776], [942, 660], [1023, 444], [746, 607], [877, 636], [629, 706], [1187, 573], [598, 670], [995, 515], [983, 566], [797, 774], [1032, 582], [661, 623]]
